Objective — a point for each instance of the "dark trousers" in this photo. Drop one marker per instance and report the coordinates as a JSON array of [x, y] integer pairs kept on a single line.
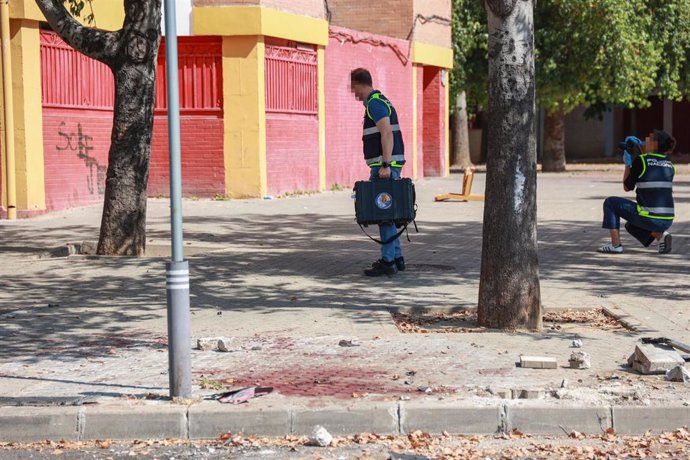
[[640, 227]]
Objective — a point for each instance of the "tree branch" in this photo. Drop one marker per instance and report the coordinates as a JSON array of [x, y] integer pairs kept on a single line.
[[501, 8], [94, 43]]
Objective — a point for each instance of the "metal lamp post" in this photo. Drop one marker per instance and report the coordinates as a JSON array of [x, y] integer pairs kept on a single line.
[[177, 270]]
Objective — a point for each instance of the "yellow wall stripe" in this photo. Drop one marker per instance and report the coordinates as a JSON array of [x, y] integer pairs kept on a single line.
[[423, 53], [256, 20]]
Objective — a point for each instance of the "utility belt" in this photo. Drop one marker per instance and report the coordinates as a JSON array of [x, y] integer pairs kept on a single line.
[[386, 201], [397, 161]]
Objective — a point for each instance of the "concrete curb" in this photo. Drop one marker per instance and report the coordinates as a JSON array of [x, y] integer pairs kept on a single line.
[[209, 419]]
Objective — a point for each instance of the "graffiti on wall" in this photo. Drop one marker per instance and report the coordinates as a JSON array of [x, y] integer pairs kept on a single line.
[[80, 144]]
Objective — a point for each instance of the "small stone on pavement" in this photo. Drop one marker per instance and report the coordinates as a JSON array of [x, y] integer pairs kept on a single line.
[[678, 374], [320, 437]]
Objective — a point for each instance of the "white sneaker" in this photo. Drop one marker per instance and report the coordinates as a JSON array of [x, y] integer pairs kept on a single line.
[[665, 243], [611, 249]]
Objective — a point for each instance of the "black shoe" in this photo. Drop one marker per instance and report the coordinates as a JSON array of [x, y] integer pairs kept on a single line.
[[380, 268], [400, 263]]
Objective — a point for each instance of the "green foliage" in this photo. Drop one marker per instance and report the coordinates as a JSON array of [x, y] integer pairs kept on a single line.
[[470, 48], [671, 32], [595, 53]]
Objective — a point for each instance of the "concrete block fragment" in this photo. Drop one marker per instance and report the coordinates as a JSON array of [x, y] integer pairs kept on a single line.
[[207, 343], [538, 362], [228, 345], [580, 360], [655, 359], [678, 374], [528, 394], [503, 393], [88, 248]]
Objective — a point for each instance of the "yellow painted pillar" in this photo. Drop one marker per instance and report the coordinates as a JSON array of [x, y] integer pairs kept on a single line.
[[321, 60], [244, 107], [415, 167], [28, 114]]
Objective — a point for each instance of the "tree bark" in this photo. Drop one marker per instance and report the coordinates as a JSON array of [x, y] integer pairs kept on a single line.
[[509, 294], [554, 142], [461, 143], [131, 53]]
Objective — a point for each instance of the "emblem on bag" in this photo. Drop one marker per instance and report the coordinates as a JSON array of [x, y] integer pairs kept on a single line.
[[384, 200]]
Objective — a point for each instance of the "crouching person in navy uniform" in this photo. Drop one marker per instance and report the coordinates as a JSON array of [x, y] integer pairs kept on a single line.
[[384, 153], [650, 174]]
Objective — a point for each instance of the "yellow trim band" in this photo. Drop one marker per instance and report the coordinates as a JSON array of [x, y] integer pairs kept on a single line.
[[257, 20], [423, 53]]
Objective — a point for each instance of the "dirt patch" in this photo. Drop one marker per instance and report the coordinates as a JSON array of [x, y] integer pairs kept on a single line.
[[465, 321]]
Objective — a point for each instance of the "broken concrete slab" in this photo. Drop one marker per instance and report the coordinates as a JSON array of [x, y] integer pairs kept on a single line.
[[502, 393], [538, 362], [678, 374], [528, 394], [228, 344], [207, 343], [580, 360], [655, 359]]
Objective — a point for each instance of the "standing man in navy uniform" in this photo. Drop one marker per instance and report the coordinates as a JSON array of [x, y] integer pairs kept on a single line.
[[384, 153], [650, 174]]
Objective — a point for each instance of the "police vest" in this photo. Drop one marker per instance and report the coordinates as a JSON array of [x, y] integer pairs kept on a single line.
[[371, 137], [655, 187]]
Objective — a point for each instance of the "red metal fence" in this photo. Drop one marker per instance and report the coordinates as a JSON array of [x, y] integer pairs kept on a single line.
[[291, 80], [72, 80], [200, 75]]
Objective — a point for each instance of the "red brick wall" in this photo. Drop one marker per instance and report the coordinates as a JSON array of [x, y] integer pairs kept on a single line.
[[434, 131], [344, 114], [203, 164], [75, 144], [437, 31], [420, 120], [77, 139], [292, 153], [392, 18]]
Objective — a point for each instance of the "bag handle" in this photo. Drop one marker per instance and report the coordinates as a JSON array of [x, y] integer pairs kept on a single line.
[[392, 238]]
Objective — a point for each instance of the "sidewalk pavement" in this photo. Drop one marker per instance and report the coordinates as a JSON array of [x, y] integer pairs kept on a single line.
[[283, 278]]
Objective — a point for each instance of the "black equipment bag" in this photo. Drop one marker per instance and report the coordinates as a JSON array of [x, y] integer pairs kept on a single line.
[[385, 201]]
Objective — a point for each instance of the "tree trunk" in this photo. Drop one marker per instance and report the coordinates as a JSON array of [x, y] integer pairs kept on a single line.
[[461, 143], [131, 53], [554, 142], [509, 295]]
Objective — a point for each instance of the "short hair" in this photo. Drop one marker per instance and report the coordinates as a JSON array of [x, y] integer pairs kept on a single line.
[[361, 76], [666, 142]]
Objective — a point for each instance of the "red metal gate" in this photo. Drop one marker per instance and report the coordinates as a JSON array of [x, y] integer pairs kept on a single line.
[[291, 80]]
